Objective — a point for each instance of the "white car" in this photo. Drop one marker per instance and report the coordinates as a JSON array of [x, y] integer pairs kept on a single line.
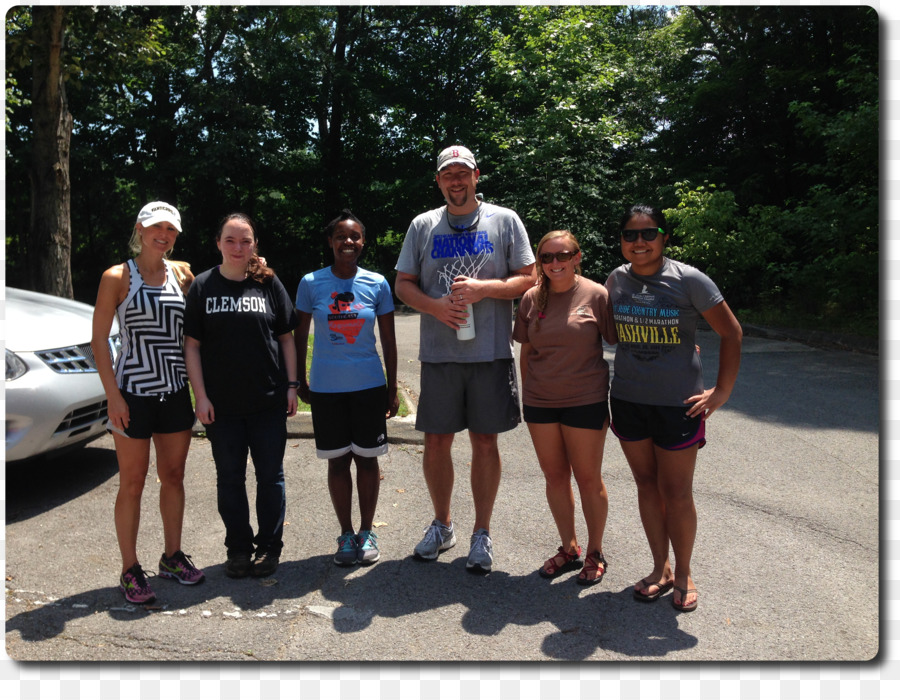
[[54, 397]]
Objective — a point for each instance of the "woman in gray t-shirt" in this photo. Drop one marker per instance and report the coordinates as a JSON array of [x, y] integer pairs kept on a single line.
[[657, 303]]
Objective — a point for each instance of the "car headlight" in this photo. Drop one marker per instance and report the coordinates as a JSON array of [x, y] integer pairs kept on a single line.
[[15, 368]]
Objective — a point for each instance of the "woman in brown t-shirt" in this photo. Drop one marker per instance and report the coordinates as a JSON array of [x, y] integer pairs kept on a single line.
[[562, 323]]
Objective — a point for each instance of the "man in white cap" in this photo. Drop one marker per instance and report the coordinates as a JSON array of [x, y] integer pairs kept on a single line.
[[467, 252]]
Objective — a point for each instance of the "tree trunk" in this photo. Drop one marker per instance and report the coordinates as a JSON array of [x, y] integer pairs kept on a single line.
[[50, 235]]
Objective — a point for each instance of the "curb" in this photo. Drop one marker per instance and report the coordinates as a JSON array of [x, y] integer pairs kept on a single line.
[[816, 339]]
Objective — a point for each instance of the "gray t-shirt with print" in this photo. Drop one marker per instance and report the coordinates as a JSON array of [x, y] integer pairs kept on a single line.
[[656, 320], [490, 243]]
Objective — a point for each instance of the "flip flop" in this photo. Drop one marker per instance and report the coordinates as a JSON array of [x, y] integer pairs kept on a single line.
[[684, 593], [650, 597]]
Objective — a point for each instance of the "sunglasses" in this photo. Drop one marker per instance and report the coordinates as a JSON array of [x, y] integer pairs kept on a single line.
[[648, 234], [564, 256]]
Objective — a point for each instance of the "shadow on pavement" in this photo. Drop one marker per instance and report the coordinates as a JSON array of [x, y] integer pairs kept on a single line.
[[40, 485], [586, 619]]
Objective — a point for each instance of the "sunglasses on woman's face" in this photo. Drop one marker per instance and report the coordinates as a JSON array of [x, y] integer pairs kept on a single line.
[[648, 234], [563, 256]]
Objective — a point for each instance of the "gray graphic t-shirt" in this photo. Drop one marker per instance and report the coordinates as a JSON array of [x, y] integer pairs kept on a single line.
[[490, 243], [656, 321]]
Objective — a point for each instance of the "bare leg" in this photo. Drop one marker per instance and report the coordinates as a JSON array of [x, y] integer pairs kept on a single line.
[[133, 457], [641, 457], [585, 453], [551, 453], [340, 486], [437, 465], [485, 477], [171, 455], [368, 484], [676, 481]]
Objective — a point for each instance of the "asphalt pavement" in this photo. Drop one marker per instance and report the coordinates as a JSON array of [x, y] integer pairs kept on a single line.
[[786, 561]]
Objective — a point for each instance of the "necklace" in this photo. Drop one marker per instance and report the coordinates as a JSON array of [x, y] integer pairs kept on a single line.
[[463, 229]]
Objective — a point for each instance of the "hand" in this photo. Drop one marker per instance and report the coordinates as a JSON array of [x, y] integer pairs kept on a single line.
[[393, 404], [117, 411], [451, 311], [467, 290], [292, 401], [205, 412], [706, 403]]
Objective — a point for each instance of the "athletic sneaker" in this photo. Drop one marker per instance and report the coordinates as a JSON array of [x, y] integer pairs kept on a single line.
[[481, 553], [367, 547], [438, 538], [347, 546], [133, 583], [265, 564], [180, 567]]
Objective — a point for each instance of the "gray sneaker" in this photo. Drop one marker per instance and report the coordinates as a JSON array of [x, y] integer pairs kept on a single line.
[[481, 553], [438, 537]]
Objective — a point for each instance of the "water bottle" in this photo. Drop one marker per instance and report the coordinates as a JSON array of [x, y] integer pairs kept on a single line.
[[466, 330]]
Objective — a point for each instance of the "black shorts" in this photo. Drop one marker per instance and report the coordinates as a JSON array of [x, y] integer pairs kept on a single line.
[[592, 416], [668, 426], [157, 413], [350, 421]]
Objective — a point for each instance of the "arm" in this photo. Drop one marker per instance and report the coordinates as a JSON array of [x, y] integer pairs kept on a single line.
[[512, 287], [444, 309], [723, 322], [524, 352], [389, 349], [286, 340], [113, 288], [203, 409], [301, 339]]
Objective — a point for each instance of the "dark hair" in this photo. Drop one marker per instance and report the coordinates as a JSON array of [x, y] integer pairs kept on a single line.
[[638, 209], [345, 215], [256, 269]]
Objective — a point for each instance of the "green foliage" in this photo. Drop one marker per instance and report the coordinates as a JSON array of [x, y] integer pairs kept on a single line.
[[714, 237], [574, 112]]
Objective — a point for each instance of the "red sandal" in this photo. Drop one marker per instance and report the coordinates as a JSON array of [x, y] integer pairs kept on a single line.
[[589, 572], [560, 563]]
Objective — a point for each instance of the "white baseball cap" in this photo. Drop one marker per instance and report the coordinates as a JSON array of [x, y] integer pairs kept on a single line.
[[157, 212], [456, 154]]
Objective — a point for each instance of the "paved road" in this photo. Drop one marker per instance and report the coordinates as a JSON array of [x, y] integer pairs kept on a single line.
[[786, 560]]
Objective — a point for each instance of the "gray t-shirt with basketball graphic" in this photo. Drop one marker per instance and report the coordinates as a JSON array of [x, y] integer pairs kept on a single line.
[[490, 243], [656, 321]]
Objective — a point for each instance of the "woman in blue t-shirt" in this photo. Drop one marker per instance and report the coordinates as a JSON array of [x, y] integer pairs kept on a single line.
[[657, 303], [346, 389]]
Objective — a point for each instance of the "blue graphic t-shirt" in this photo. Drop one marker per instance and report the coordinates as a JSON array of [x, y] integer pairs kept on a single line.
[[344, 311], [656, 322]]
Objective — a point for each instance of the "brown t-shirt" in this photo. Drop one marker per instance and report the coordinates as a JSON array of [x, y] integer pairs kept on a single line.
[[565, 365]]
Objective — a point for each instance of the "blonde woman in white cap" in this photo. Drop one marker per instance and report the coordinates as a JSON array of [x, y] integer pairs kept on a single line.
[[147, 392]]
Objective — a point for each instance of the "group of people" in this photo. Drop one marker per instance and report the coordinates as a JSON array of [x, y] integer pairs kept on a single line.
[[461, 266]]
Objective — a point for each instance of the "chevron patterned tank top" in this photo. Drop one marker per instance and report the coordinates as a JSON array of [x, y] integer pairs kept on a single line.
[[150, 324]]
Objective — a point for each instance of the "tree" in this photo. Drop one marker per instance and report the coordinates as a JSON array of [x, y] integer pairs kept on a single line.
[[50, 234]]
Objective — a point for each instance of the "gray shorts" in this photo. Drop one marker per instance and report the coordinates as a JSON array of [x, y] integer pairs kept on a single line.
[[479, 396]]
